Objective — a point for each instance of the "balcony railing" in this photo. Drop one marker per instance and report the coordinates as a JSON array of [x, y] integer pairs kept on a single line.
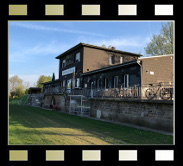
[[160, 91], [53, 90]]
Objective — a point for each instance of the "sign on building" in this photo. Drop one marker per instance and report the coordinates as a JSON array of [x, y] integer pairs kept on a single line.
[[68, 71]]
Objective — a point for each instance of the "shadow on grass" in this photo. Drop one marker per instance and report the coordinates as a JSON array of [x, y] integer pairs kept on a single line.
[[37, 118]]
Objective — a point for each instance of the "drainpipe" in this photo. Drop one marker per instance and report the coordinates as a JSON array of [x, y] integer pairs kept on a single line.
[[140, 64]]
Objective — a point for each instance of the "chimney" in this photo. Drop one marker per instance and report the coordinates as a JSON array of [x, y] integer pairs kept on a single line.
[[113, 48]]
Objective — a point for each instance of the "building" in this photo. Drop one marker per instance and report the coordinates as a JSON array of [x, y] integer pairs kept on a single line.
[[86, 66], [142, 71], [34, 90], [157, 69], [125, 75], [100, 72], [84, 58]]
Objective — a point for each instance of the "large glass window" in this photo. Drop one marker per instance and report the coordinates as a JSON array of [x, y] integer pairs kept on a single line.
[[63, 63], [126, 80], [115, 81], [77, 58], [98, 84], [63, 83], [121, 59], [111, 59], [106, 83], [68, 84], [77, 82]]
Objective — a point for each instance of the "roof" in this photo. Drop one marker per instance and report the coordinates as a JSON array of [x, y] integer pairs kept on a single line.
[[110, 68], [96, 47], [34, 88], [157, 56], [49, 82]]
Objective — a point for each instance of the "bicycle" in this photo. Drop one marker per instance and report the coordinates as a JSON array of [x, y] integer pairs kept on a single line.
[[164, 93]]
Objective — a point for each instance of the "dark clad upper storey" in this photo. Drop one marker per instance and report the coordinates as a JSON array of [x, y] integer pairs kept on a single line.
[[86, 57]]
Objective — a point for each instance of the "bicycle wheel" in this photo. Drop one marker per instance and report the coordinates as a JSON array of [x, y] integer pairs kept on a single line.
[[165, 93], [149, 94]]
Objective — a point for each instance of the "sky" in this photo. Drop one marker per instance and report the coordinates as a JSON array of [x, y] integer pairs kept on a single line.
[[33, 45]]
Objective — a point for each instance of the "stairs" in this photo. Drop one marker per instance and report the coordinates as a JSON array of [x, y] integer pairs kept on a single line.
[[24, 100]]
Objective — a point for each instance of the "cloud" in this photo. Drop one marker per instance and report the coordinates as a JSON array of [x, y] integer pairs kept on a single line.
[[46, 28], [121, 43], [53, 48], [22, 54]]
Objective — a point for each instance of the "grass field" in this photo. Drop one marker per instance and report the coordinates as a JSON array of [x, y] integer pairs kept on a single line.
[[36, 126]]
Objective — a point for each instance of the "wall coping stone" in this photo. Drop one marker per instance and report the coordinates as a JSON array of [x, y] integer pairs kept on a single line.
[[51, 94], [133, 100]]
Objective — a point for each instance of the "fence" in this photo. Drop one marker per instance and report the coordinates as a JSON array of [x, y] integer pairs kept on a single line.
[[152, 91], [53, 90], [158, 91]]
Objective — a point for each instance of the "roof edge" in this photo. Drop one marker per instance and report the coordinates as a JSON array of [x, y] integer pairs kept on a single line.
[[110, 67], [157, 56], [97, 47]]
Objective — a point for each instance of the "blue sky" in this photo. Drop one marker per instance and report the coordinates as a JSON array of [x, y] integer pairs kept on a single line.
[[33, 45]]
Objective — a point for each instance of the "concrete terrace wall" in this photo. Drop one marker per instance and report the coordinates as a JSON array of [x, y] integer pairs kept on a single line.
[[151, 114]]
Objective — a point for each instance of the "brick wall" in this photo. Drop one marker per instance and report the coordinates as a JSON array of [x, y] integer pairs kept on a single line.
[[151, 114], [157, 69], [94, 59], [59, 101]]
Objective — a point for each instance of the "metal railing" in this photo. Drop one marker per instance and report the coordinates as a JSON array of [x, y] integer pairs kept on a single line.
[[53, 90], [158, 91], [110, 92]]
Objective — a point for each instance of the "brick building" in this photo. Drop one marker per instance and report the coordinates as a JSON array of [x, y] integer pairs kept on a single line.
[[157, 69], [143, 71], [84, 58], [126, 75], [84, 65]]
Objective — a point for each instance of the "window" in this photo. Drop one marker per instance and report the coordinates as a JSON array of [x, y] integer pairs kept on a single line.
[[69, 60], [91, 84], [77, 58], [126, 80], [68, 84], [77, 82], [63, 63], [115, 81], [111, 59], [98, 84], [106, 83], [121, 59], [63, 83], [94, 83]]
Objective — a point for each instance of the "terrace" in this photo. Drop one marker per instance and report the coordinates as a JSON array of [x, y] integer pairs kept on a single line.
[[158, 91]]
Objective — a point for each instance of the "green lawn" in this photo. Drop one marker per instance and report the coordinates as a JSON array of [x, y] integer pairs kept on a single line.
[[36, 126]]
